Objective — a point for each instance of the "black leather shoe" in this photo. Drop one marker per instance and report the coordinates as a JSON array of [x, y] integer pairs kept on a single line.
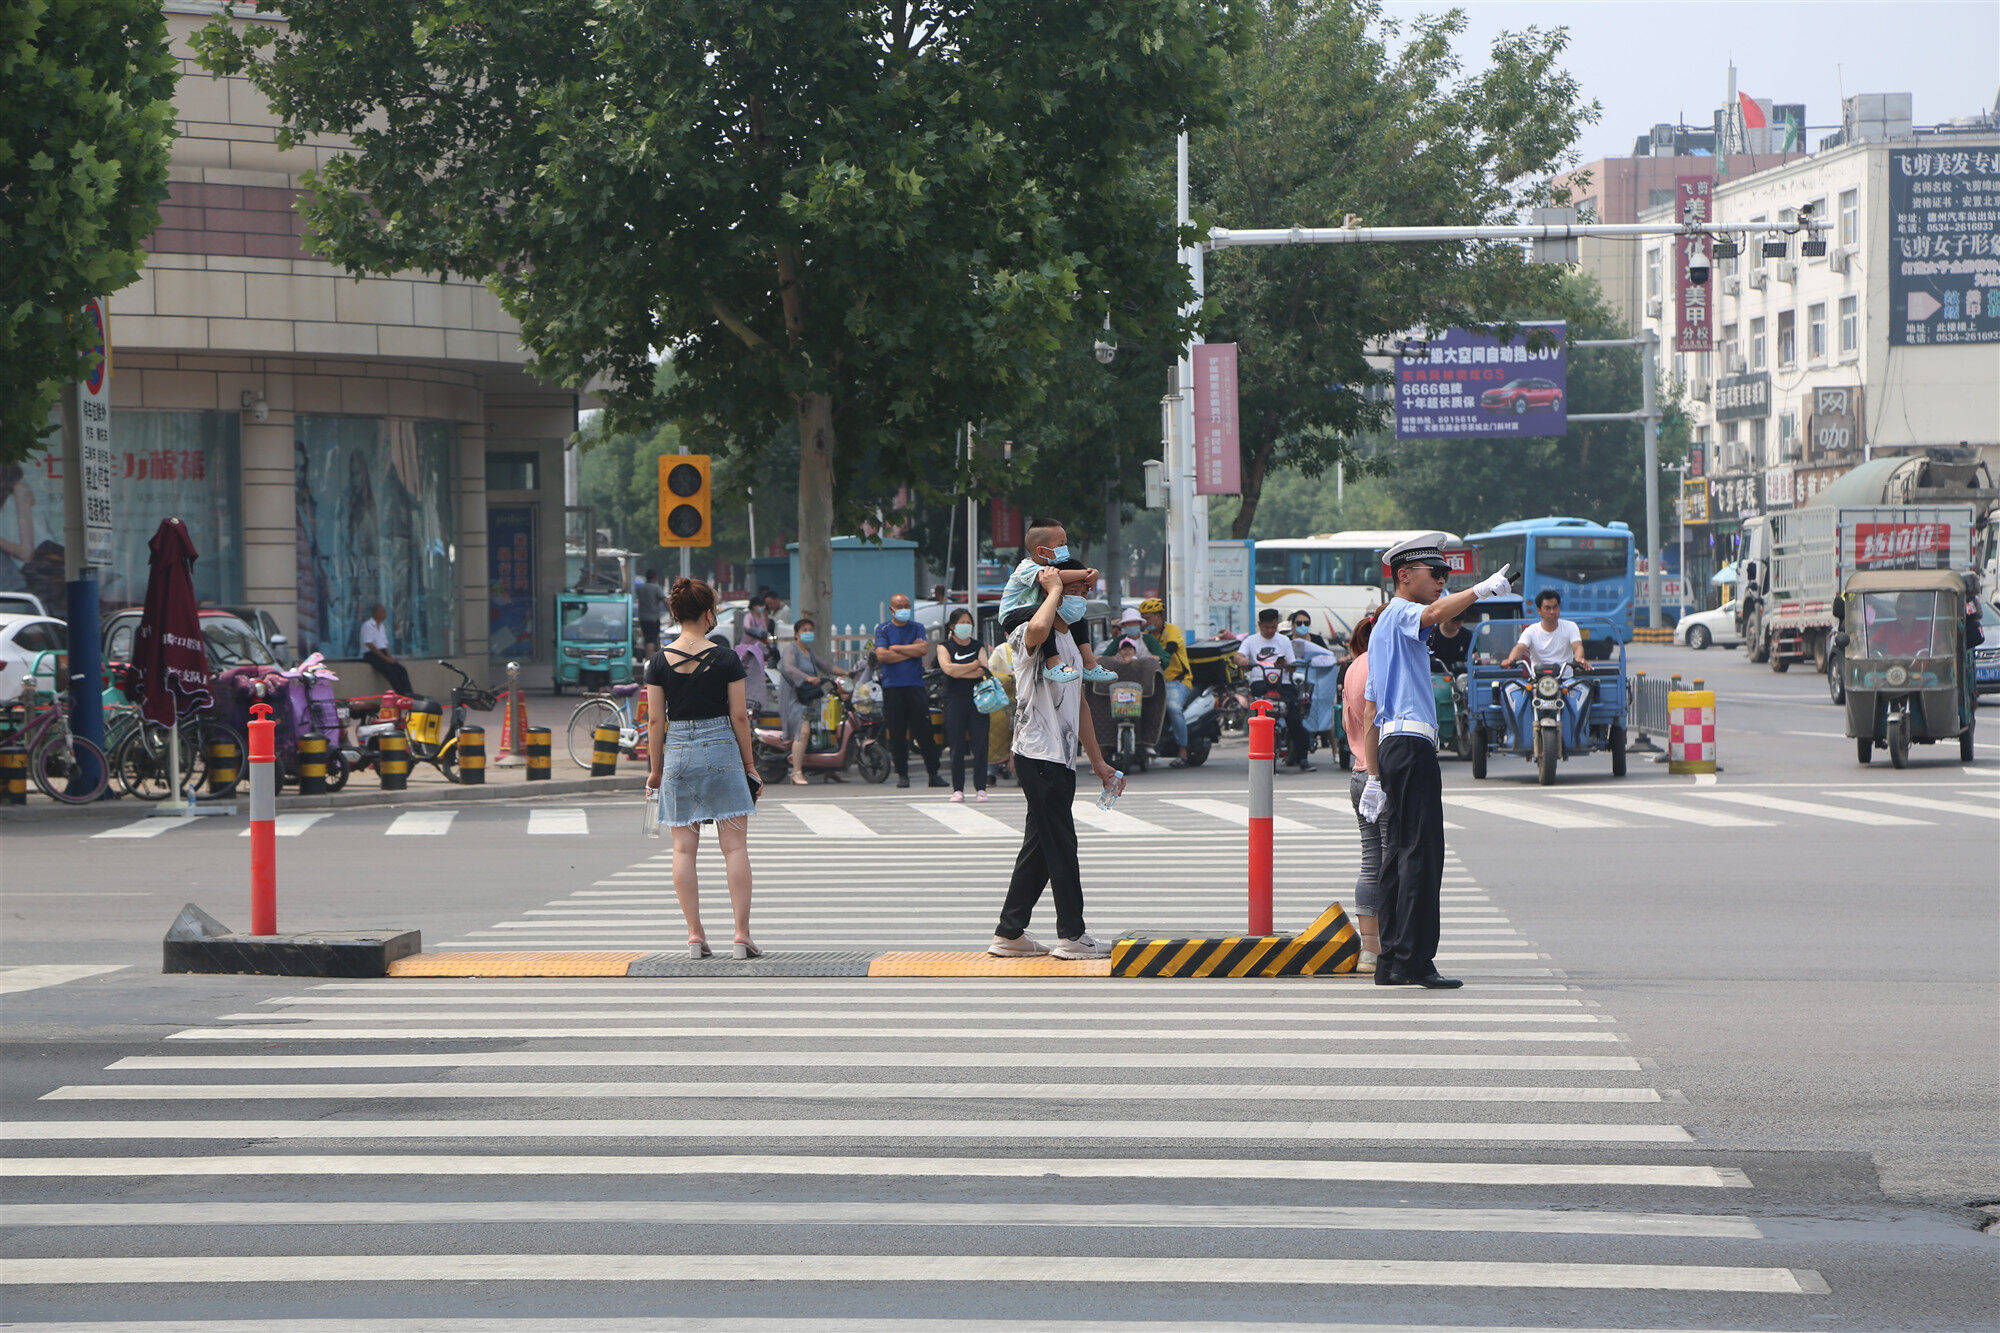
[[902, 782], [937, 781], [1432, 981], [1387, 975]]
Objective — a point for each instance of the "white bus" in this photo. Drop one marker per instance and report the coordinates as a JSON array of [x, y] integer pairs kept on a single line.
[[1337, 576]]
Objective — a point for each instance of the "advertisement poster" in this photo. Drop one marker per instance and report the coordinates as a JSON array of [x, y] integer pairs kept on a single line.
[[1232, 590], [1833, 420], [510, 590], [1694, 501], [1695, 326], [1902, 545], [1464, 385], [1218, 452], [161, 465], [374, 526], [1944, 246]]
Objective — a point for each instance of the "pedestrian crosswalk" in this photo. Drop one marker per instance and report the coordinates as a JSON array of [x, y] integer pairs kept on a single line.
[[947, 828], [886, 1150]]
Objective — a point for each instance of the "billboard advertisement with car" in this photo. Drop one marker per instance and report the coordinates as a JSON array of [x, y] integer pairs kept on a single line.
[[1466, 385]]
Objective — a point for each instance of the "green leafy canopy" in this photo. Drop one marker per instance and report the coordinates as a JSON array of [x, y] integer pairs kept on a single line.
[[86, 121]]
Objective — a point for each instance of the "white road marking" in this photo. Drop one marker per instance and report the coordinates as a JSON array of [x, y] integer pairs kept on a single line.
[[827, 821], [1239, 815], [788, 1165], [147, 828], [309, 1032], [1914, 802], [1640, 805], [968, 822], [1790, 806], [1704, 779], [1114, 821], [291, 826], [1004, 1021], [1081, 1092], [902, 1270], [568, 821], [1374, 998], [1819, 735], [34, 976], [1545, 815], [737, 1212], [1204, 1061], [422, 823]]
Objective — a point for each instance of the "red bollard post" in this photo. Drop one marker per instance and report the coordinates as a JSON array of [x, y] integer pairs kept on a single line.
[[263, 821], [1263, 772]]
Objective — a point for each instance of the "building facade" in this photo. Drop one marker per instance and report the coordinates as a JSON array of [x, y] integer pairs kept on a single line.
[[332, 443], [1889, 342]]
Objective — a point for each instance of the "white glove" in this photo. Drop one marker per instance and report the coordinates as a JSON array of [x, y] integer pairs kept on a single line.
[[1373, 799], [1495, 585]]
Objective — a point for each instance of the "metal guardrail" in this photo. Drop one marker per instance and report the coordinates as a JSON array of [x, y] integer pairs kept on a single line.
[[1646, 710]]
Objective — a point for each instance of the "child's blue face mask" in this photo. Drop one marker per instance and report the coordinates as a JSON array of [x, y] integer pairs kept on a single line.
[[1056, 554]]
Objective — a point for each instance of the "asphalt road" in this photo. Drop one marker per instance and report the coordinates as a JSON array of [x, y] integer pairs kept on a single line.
[[1726, 1059]]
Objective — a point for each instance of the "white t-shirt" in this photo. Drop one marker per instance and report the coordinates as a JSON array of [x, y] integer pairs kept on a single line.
[[1551, 647], [1276, 648], [375, 635], [1045, 713]]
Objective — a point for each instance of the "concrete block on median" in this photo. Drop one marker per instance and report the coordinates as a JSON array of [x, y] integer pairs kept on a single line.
[[197, 942]]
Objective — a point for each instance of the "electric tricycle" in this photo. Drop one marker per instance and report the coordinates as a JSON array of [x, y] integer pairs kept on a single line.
[[593, 640], [1543, 714], [1903, 646]]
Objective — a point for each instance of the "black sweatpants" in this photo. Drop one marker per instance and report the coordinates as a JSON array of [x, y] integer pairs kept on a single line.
[[1412, 877], [965, 729], [906, 710], [1048, 851], [393, 672]]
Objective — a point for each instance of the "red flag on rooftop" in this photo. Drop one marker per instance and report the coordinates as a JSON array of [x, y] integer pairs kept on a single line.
[[1753, 115]]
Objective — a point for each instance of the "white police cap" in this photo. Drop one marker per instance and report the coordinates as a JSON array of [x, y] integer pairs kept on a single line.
[[1424, 549]]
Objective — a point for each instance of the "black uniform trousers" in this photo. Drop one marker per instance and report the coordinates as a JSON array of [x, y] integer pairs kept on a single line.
[[1412, 876], [1048, 851], [965, 731], [907, 709]]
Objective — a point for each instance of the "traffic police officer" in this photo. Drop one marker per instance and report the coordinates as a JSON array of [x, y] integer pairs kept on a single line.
[[1405, 792]]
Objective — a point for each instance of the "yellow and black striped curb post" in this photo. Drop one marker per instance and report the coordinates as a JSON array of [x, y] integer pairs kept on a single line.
[[472, 755], [604, 752], [1326, 946], [312, 765], [392, 763], [13, 776], [540, 745], [225, 765]]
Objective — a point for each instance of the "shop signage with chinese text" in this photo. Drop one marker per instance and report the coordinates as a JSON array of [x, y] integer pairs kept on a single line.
[[1695, 331], [1694, 501], [1944, 256], [1218, 453], [1740, 397]]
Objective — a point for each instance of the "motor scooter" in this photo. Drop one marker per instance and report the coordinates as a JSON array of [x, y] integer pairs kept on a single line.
[[849, 731], [1203, 714]]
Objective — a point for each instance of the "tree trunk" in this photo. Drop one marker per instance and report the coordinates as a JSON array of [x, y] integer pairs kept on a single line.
[[1114, 547], [814, 595], [1253, 491]]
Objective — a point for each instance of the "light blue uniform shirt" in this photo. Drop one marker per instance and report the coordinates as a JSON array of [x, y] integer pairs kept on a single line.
[[1399, 665]]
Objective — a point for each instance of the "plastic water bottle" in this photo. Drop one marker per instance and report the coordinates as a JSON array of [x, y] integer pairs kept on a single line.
[[1115, 789]]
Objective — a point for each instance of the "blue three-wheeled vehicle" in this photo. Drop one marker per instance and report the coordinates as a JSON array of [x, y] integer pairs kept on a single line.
[[1549, 713]]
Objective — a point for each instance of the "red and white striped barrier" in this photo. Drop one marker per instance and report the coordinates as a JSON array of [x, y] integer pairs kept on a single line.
[[1691, 731], [263, 821], [1263, 770]]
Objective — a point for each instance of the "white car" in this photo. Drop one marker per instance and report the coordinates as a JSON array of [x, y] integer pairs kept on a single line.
[[22, 640], [1705, 627]]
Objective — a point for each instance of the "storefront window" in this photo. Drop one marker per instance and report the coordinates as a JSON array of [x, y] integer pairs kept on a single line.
[[375, 525], [183, 465]]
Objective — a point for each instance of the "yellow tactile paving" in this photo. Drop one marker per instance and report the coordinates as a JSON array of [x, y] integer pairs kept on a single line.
[[526, 964], [939, 964]]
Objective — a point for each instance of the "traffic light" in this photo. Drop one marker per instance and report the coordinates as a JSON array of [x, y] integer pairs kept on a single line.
[[684, 500]]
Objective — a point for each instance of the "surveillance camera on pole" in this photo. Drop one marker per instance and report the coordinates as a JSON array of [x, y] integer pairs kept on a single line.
[[1105, 348], [1697, 269]]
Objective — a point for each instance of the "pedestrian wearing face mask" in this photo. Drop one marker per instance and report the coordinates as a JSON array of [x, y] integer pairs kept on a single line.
[[963, 660], [803, 680], [900, 649], [1048, 547]]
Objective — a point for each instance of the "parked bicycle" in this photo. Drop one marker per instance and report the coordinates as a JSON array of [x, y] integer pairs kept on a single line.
[[140, 757], [609, 707], [57, 759]]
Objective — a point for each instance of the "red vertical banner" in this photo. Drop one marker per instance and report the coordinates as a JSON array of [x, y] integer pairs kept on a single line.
[[1218, 452], [1695, 320], [1005, 520]]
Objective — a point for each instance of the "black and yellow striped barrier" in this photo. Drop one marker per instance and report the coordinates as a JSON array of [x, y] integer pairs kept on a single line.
[[392, 763], [13, 776], [225, 766], [539, 746], [1326, 946], [604, 752], [312, 765], [472, 755]]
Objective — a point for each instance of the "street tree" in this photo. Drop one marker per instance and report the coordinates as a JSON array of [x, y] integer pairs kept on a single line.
[[86, 121], [875, 219], [1337, 112]]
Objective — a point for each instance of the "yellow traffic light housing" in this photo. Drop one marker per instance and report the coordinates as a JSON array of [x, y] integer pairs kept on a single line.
[[684, 500]]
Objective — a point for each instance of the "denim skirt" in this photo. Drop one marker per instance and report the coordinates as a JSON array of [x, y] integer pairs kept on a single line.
[[702, 777]]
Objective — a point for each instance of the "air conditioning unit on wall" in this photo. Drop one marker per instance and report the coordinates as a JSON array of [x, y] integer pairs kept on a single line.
[[1732, 285], [1654, 308], [1788, 271], [1759, 278], [1700, 389], [1841, 259]]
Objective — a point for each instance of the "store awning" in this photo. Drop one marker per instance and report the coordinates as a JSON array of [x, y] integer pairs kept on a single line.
[[1727, 574]]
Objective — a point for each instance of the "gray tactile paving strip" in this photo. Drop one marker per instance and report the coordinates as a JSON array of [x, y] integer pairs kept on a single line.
[[804, 963]]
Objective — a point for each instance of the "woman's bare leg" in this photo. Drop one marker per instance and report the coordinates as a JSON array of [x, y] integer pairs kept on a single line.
[[1364, 926], [799, 754], [687, 888], [734, 835]]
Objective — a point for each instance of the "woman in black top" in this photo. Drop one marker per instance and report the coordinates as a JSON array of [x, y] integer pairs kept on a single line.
[[702, 769], [962, 658]]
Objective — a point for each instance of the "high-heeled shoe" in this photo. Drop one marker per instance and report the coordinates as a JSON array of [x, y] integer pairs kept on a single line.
[[698, 950], [799, 780], [745, 951]]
